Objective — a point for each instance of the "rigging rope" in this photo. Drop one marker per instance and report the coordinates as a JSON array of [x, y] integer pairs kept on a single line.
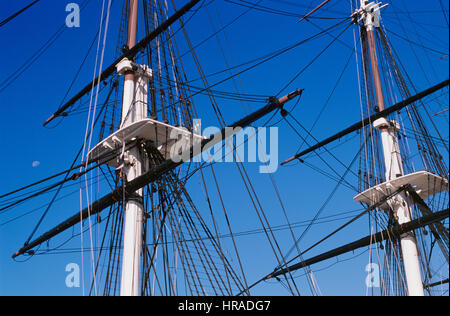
[[2, 23]]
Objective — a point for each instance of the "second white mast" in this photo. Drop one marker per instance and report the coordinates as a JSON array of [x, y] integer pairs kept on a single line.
[[369, 13]]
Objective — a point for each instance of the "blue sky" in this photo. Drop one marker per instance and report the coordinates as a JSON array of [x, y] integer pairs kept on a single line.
[[31, 152]]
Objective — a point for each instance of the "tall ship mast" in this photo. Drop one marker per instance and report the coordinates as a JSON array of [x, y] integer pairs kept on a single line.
[[160, 198]]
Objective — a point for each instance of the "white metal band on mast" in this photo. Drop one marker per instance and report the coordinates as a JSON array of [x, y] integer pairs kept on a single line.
[[369, 13]]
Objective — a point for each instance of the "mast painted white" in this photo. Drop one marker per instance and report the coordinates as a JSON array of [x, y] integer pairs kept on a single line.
[[369, 12], [401, 206], [134, 108]]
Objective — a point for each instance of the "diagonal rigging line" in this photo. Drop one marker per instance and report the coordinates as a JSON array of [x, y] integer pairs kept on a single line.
[[328, 99], [275, 53], [67, 178], [256, 231], [315, 139], [215, 243], [325, 203], [392, 50], [242, 175], [314, 59], [370, 208], [130, 53], [201, 250], [319, 156], [226, 218], [60, 185], [443, 11], [2, 23], [33, 58], [417, 44], [394, 232], [262, 8], [267, 58], [167, 165], [221, 29]]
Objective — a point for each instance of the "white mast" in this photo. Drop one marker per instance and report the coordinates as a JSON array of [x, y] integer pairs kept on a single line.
[[134, 108], [369, 12]]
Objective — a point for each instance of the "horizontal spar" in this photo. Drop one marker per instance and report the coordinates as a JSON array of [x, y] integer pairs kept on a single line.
[[314, 10], [391, 233], [155, 173], [437, 283], [128, 54], [370, 119]]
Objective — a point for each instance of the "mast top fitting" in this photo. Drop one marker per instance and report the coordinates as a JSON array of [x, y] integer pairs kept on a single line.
[[385, 123], [369, 12], [126, 65]]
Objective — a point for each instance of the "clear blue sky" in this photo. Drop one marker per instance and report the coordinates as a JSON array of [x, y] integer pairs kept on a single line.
[[31, 152]]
